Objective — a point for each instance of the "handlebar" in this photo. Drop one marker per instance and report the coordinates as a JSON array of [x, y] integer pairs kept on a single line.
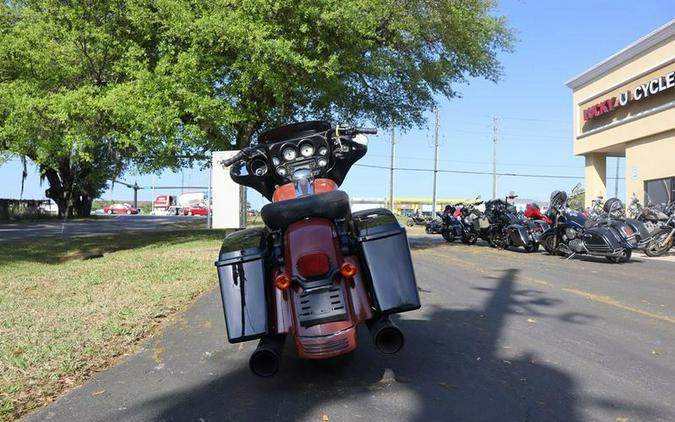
[[353, 130], [236, 157]]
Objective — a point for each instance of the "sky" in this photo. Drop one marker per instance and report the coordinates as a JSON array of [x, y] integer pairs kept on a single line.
[[556, 41]]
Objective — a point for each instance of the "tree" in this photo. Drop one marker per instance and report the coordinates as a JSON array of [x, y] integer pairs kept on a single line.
[[90, 88]]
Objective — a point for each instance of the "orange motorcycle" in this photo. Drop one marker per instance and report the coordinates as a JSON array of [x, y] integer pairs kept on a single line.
[[316, 270]]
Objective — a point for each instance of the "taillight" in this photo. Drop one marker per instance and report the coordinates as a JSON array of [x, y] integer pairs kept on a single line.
[[282, 281], [313, 264], [628, 231], [348, 270]]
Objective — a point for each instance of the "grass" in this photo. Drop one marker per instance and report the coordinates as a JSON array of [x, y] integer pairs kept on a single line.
[[64, 317]]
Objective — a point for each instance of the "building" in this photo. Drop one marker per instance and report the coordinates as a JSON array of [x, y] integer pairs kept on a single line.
[[624, 106], [406, 206]]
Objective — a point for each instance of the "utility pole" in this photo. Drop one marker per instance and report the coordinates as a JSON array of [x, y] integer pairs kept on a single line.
[[209, 202], [616, 179], [135, 187], [391, 170], [494, 157], [433, 198]]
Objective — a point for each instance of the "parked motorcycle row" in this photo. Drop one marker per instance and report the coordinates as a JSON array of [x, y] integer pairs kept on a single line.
[[604, 231]]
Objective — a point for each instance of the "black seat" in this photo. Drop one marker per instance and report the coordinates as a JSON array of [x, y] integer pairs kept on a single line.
[[331, 205]]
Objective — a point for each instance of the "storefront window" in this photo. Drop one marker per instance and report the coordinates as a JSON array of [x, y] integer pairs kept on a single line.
[[660, 191]]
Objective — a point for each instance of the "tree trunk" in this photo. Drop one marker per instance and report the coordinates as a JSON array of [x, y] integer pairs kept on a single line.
[[61, 185], [82, 205], [55, 191]]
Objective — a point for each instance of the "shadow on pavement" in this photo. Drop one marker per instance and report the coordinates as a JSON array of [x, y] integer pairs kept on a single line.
[[452, 368]]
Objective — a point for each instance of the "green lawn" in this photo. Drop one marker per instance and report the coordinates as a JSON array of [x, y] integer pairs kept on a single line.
[[66, 312]]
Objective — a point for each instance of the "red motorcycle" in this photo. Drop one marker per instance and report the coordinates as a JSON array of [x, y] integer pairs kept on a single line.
[[317, 270]]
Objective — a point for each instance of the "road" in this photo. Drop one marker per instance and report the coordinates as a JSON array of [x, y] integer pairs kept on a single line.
[[102, 224], [502, 335]]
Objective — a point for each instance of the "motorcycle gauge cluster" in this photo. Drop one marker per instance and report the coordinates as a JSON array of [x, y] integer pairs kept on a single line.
[[259, 167], [306, 149], [289, 153]]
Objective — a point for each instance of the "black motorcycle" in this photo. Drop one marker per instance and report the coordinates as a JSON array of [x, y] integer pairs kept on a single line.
[[476, 223], [507, 229], [418, 220], [452, 227], [613, 213], [663, 238], [570, 236], [434, 226]]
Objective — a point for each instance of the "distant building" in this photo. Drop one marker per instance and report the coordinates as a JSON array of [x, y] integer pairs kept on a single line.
[[624, 106], [406, 206]]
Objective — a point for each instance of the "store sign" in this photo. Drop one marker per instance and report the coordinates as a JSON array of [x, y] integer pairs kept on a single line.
[[640, 92]]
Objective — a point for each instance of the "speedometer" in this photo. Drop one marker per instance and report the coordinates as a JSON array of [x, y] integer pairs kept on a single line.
[[306, 150], [289, 154]]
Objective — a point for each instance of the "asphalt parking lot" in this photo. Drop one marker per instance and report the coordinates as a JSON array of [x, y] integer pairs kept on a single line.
[[502, 335]]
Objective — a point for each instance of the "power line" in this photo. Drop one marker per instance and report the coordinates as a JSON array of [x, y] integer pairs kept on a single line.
[[543, 176]]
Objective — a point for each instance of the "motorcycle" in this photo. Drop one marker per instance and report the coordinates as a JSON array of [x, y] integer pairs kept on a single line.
[[613, 213], [536, 221], [476, 224], [653, 217], [663, 238], [452, 227], [316, 270], [434, 226], [506, 229], [418, 220], [570, 236]]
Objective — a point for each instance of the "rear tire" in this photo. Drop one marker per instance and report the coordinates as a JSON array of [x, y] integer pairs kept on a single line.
[[470, 239], [449, 237], [656, 247], [550, 247], [624, 257], [532, 247]]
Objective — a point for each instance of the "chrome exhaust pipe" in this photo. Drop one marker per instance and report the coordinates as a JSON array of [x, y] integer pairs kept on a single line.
[[266, 358], [388, 338]]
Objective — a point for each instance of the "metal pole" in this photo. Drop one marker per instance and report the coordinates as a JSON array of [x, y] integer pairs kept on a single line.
[[242, 207], [494, 157], [210, 201], [433, 198], [136, 194], [391, 171], [616, 179]]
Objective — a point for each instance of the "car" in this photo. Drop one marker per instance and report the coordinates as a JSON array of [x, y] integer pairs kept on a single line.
[[120, 209], [195, 211]]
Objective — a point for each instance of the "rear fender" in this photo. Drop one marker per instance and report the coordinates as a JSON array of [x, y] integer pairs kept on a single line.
[[333, 337]]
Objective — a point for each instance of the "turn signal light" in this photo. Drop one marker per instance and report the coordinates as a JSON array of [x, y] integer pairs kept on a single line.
[[348, 270], [282, 281]]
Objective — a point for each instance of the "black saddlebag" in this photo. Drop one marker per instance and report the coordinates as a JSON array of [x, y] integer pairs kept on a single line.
[[603, 240], [384, 250], [644, 237], [242, 277], [518, 235]]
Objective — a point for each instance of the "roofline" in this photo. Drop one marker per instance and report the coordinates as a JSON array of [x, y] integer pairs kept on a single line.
[[662, 33]]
